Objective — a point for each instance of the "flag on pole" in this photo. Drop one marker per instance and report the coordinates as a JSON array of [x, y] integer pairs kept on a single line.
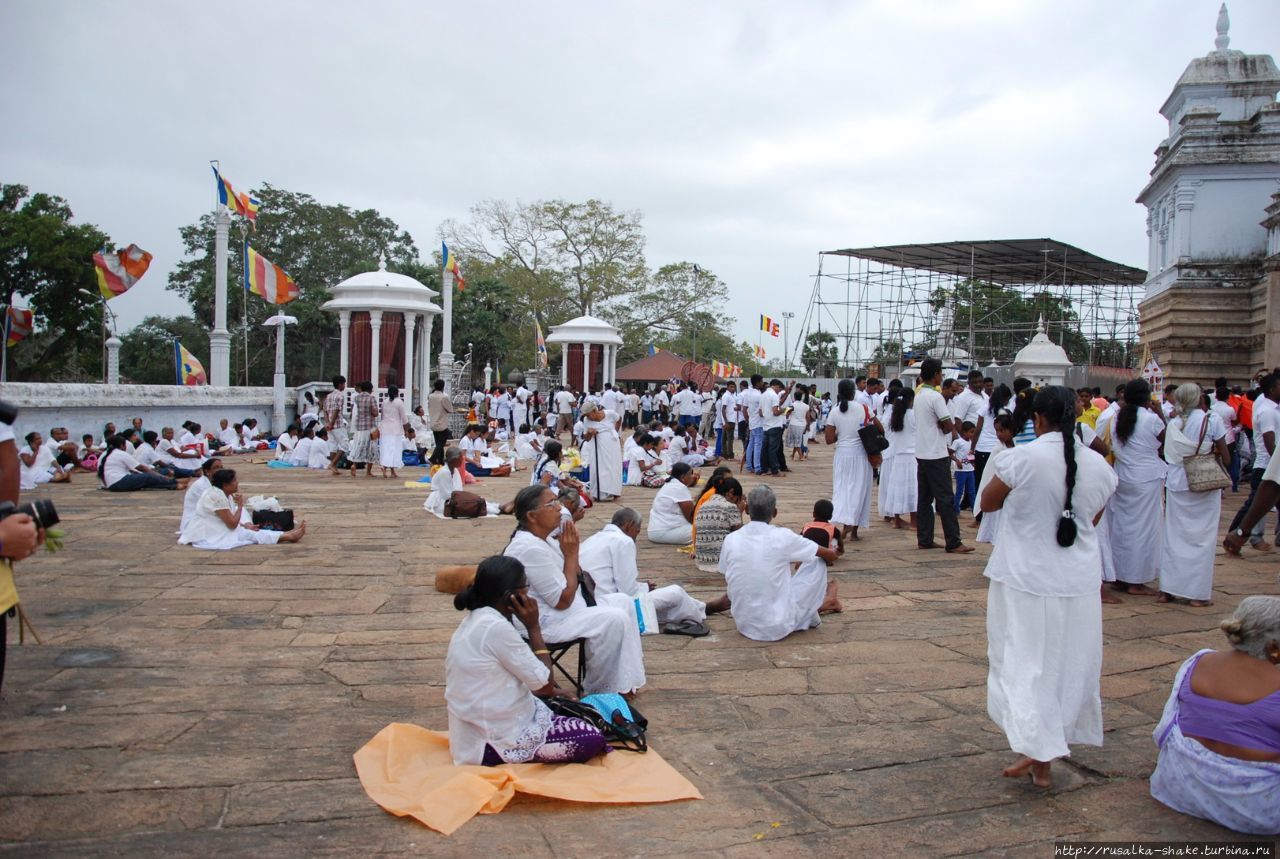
[[760, 352], [237, 203], [1151, 371], [653, 350], [190, 370], [249, 205], [451, 265], [768, 325], [725, 370], [17, 325], [119, 270], [540, 343], [263, 278]]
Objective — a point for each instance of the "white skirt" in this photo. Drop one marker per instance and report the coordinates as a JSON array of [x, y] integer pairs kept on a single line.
[[390, 451], [615, 661], [898, 493], [1045, 676], [1135, 515], [234, 539], [851, 487], [987, 527], [1103, 530], [1190, 541], [886, 472]]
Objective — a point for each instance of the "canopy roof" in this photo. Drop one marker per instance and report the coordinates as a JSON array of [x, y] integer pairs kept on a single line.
[[383, 290], [1009, 262], [661, 366], [585, 329]]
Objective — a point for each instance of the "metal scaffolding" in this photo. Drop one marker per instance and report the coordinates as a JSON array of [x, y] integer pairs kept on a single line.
[[908, 294]]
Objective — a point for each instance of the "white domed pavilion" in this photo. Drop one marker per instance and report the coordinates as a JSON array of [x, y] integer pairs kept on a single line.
[[1042, 361], [386, 320], [590, 352]]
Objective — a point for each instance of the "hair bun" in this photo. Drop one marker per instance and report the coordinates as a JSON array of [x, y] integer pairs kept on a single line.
[[462, 599], [1234, 629]]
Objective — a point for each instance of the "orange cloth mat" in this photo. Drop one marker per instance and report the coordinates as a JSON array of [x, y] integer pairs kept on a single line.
[[408, 771]]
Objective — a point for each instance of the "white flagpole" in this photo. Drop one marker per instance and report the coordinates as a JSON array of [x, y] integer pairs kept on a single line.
[[446, 344]]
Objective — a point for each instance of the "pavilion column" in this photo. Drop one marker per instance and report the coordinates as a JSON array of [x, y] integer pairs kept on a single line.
[[375, 347], [564, 365], [586, 368], [613, 365], [344, 349], [428, 322], [410, 322]]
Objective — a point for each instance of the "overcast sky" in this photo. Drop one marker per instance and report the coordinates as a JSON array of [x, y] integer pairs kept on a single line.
[[751, 135]]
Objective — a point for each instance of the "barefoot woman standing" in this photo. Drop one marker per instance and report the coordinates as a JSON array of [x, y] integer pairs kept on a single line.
[[1044, 621]]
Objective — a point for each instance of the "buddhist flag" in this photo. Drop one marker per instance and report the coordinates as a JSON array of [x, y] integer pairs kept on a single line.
[[119, 270], [768, 325], [237, 203], [451, 265], [190, 370], [540, 344], [17, 325], [263, 278], [725, 370], [760, 352], [653, 350]]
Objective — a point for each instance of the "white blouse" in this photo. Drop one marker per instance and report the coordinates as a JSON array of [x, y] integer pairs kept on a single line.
[[847, 424], [490, 673], [1027, 556], [204, 523], [665, 513], [1138, 460]]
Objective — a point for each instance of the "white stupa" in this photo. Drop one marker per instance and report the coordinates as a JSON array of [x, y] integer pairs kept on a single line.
[[1042, 361]]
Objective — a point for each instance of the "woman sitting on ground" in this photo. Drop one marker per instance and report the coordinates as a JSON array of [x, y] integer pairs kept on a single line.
[[475, 452], [549, 471], [493, 678], [717, 517], [120, 472], [671, 516], [644, 466], [216, 524], [1219, 736], [196, 490], [615, 662]]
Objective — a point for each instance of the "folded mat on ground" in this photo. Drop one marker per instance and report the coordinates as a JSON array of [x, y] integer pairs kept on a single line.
[[408, 771]]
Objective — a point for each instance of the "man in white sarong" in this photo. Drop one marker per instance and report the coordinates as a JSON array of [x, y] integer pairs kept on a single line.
[[769, 603], [609, 556], [602, 451]]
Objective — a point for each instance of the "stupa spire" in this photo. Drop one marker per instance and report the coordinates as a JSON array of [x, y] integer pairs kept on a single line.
[[1224, 24]]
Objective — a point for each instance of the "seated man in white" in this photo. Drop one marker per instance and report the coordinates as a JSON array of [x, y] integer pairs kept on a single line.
[[321, 452], [217, 521], [446, 481], [769, 603], [615, 661], [609, 556]]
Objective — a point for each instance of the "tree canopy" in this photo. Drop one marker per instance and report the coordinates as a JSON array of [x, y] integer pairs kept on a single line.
[[47, 260]]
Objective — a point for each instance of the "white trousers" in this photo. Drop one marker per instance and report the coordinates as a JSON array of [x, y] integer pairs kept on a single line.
[[677, 535], [673, 605], [615, 661]]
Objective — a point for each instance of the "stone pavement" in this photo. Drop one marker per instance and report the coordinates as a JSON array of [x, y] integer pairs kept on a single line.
[[193, 703]]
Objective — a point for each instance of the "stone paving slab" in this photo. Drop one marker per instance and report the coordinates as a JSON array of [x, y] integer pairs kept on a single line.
[[189, 703]]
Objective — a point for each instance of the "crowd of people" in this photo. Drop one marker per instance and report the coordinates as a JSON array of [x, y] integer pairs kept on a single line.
[[1082, 498]]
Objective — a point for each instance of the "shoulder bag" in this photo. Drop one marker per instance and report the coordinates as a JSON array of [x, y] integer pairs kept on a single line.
[[1204, 472], [465, 505], [873, 440]]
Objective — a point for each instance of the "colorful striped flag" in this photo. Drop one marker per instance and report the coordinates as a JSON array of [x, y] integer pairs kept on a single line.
[[760, 352], [725, 370], [120, 270], [190, 370], [653, 350], [451, 265], [17, 325], [540, 344], [767, 324], [263, 278], [237, 203]]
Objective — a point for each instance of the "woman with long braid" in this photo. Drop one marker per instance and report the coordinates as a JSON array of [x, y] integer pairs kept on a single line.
[[1135, 516], [1044, 620]]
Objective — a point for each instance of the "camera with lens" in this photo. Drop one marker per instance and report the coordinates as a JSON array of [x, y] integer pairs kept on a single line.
[[41, 511]]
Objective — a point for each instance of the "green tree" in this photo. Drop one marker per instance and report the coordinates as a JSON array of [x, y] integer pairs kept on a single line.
[[47, 260], [679, 309], [820, 356], [147, 355], [487, 317], [318, 245], [564, 258]]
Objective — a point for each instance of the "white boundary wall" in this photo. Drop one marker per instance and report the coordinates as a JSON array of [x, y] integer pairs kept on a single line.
[[85, 408]]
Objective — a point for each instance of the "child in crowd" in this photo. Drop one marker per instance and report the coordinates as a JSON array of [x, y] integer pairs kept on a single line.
[[318, 456], [1006, 429], [962, 456], [286, 443], [821, 530]]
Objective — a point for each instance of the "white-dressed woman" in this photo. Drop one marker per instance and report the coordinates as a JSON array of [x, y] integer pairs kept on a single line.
[[1219, 737], [671, 514], [391, 423], [493, 679], [1135, 515], [549, 470], [216, 523], [1190, 518], [1044, 620], [851, 474], [898, 474], [602, 451], [615, 662]]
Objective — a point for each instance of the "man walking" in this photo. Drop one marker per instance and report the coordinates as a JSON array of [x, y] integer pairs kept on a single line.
[[439, 407]]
